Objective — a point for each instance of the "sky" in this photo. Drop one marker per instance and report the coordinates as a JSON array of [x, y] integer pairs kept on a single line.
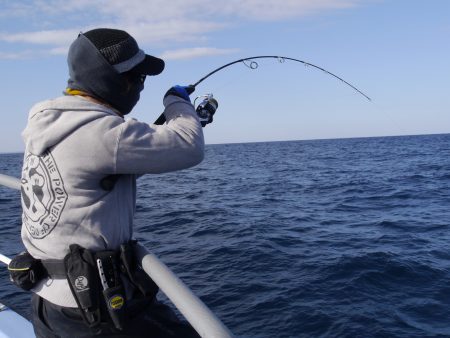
[[395, 51]]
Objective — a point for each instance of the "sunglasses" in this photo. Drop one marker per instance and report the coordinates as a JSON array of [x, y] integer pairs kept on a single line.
[[134, 76]]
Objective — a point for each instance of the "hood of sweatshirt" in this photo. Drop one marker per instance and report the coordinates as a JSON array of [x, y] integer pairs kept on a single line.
[[49, 122]]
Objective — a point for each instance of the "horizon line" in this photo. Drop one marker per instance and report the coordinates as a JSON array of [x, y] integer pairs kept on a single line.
[[290, 140]]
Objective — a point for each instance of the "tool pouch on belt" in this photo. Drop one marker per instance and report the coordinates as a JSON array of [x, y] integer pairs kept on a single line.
[[134, 271], [25, 271], [113, 290], [82, 275], [92, 275]]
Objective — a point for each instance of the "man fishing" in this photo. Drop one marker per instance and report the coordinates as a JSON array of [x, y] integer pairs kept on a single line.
[[79, 193]]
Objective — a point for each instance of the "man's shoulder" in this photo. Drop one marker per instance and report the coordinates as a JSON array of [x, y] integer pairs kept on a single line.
[[73, 103]]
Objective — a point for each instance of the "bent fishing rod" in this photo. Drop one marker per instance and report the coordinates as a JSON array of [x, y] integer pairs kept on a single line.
[[253, 65]]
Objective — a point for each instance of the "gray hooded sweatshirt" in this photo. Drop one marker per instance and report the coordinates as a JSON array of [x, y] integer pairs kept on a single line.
[[71, 144]]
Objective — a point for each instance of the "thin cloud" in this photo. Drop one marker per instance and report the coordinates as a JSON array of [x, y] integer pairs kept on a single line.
[[196, 52], [49, 37], [59, 51], [16, 56], [263, 10], [175, 30], [28, 54]]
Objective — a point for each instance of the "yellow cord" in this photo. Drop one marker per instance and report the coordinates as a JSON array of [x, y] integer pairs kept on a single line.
[[71, 91], [16, 269]]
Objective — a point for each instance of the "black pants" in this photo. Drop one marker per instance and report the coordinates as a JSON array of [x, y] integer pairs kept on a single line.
[[155, 319]]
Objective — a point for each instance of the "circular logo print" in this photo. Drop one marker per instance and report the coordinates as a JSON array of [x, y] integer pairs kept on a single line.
[[81, 283], [43, 194]]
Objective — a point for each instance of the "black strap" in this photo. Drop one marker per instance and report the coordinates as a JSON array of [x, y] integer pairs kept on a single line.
[[55, 268]]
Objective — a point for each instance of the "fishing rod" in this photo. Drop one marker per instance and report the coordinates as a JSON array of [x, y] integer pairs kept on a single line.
[[253, 65]]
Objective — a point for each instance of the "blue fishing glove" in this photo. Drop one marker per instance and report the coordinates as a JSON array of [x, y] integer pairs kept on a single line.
[[181, 91]]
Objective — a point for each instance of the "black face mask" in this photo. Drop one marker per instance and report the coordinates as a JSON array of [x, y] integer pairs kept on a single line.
[[90, 72]]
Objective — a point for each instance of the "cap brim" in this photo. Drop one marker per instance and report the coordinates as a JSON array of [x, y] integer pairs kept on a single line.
[[150, 66]]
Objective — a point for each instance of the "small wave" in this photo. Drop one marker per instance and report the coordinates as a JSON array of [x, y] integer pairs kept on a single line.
[[417, 316], [444, 177], [391, 224], [383, 268], [346, 207]]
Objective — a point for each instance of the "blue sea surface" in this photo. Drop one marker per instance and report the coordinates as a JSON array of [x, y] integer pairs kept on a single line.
[[324, 238]]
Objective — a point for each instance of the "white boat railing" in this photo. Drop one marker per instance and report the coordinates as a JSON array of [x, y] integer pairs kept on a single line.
[[5, 259], [202, 319], [10, 182]]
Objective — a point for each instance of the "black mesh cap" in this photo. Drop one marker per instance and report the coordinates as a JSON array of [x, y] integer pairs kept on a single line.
[[121, 51]]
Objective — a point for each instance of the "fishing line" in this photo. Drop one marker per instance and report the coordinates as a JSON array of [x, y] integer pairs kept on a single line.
[[252, 64]]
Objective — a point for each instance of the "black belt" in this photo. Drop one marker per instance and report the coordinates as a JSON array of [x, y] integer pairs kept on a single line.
[[55, 268]]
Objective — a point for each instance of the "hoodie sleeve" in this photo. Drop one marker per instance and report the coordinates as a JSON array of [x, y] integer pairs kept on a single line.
[[175, 145]]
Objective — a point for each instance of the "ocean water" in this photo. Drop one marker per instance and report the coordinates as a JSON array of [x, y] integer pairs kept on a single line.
[[326, 238]]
